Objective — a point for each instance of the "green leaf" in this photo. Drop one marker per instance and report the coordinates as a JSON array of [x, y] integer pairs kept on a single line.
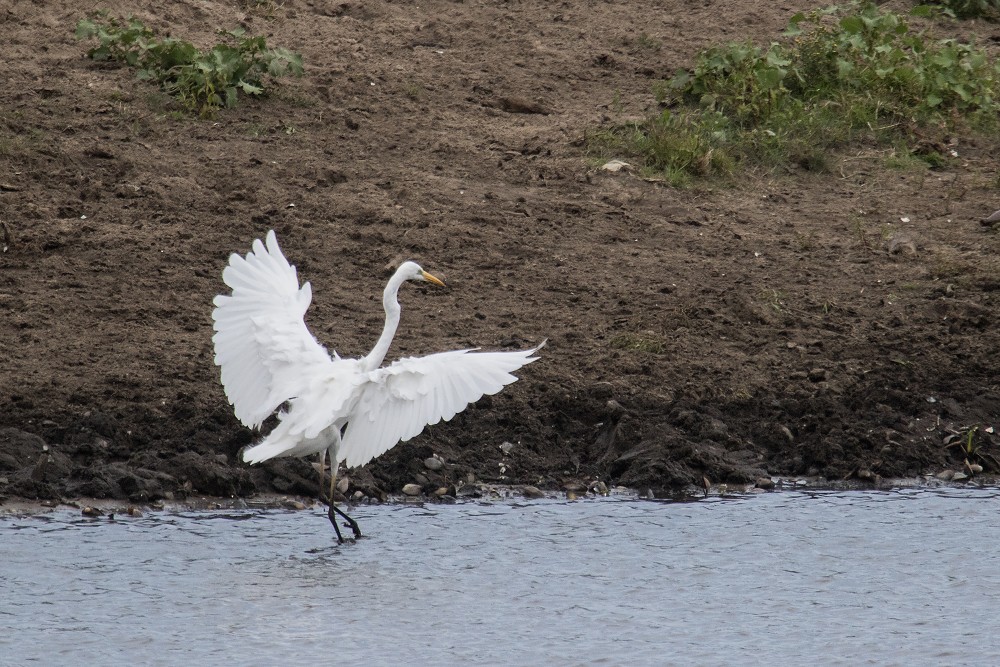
[[85, 29], [793, 29], [250, 89], [775, 59], [680, 80], [852, 25], [770, 78]]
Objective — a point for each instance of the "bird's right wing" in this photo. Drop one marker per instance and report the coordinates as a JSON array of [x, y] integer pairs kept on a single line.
[[398, 401], [262, 345]]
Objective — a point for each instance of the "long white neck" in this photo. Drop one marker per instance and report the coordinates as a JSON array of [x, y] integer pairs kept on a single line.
[[391, 305]]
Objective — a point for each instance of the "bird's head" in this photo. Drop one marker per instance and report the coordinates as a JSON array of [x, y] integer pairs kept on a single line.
[[412, 271]]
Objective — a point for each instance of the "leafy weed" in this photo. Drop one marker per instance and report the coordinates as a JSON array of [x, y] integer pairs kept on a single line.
[[202, 81], [840, 76]]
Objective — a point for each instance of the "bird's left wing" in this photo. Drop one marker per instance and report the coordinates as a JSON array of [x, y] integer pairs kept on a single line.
[[262, 345], [398, 401]]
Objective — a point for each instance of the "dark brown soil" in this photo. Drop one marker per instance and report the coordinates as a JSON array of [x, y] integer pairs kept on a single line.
[[725, 333]]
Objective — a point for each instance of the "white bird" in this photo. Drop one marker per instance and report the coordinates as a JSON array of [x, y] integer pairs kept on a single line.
[[350, 409]]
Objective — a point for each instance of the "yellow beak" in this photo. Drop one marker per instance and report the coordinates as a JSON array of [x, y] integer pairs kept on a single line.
[[431, 279]]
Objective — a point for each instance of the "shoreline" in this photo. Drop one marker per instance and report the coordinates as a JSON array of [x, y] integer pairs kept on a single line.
[[116, 508]]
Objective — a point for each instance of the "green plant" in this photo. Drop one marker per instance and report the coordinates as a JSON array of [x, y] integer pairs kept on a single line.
[[840, 75], [971, 448], [969, 9], [202, 81]]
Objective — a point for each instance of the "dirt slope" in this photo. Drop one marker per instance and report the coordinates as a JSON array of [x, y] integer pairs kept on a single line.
[[719, 333]]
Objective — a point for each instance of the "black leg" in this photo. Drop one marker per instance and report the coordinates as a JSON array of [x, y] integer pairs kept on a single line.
[[350, 522], [333, 520]]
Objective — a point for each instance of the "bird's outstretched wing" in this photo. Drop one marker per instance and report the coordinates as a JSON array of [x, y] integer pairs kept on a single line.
[[398, 401], [266, 353]]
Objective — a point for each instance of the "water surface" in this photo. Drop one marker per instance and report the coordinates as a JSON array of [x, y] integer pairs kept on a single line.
[[901, 577]]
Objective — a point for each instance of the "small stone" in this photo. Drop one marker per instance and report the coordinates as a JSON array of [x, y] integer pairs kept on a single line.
[[959, 476], [599, 488], [343, 483], [91, 511], [441, 491], [294, 504], [975, 468], [133, 511], [992, 219], [420, 479], [506, 447], [412, 490], [864, 473], [764, 483], [615, 166], [532, 492], [571, 495], [357, 495], [433, 463], [945, 475]]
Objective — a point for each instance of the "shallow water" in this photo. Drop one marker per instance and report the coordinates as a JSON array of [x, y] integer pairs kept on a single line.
[[894, 577]]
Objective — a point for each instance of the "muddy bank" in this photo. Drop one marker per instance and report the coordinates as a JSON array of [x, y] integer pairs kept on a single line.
[[720, 334]]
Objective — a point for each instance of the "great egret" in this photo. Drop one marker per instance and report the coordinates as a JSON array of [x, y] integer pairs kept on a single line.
[[350, 409]]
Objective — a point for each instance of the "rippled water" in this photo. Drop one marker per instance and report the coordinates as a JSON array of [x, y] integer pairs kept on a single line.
[[901, 577]]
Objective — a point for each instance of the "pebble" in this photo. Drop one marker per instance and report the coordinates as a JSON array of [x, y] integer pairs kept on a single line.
[[412, 490], [433, 463], [599, 488], [975, 468], [532, 492], [959, 476], [506, 447], [357, 495], [133, 511], [441, 491], [294, 504], [91, 511], [945, 475], [420, 479], [864, 473], [764, 483], [616, 165], [343, 483]]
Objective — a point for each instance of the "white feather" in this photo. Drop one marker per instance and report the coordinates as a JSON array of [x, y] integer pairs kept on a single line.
[[269, 358]]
